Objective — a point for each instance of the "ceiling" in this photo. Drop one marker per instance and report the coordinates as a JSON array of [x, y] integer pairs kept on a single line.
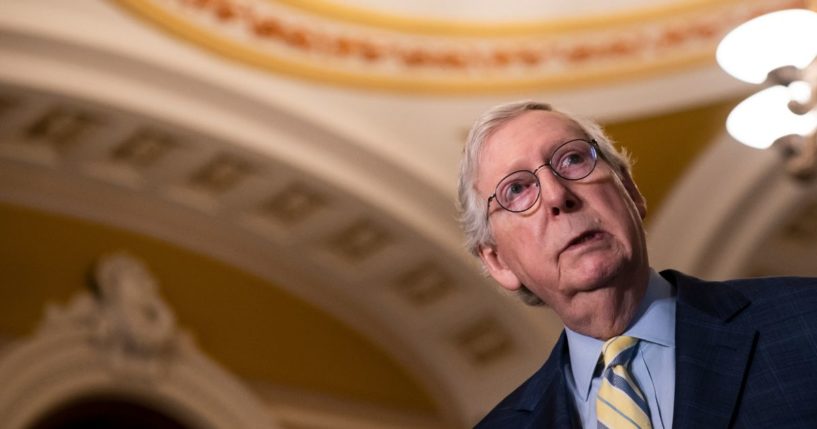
[[287, 170]]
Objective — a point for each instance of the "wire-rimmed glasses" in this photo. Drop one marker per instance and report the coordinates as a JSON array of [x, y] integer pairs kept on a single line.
[[520, 190]]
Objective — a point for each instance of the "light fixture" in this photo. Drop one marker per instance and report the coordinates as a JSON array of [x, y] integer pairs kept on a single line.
[[779, 51]]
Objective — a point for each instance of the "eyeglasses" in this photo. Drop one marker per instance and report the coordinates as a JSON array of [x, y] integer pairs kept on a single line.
[[520, 190]]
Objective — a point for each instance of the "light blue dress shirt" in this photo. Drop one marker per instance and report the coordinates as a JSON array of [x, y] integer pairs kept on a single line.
[[653, 367]]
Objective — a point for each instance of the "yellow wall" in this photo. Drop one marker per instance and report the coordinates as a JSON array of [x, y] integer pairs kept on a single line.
[[253, 328]]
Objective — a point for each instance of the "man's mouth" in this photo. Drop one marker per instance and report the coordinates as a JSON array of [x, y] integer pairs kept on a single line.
[[584, 237]]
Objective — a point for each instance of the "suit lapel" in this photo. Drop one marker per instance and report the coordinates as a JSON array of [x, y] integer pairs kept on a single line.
[[547, 397], [712, 351]]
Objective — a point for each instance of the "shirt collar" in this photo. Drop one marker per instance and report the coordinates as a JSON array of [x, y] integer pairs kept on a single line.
[[654, 322]]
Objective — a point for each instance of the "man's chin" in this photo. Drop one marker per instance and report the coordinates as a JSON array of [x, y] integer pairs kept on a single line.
[[594, 277]]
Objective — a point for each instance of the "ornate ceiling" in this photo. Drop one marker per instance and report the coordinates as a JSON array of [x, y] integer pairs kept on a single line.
[[449, 48]]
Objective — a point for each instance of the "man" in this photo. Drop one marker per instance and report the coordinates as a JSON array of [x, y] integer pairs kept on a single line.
[[550, 207]]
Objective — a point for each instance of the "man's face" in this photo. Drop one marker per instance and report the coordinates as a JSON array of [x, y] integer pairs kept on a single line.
[[581, 247]]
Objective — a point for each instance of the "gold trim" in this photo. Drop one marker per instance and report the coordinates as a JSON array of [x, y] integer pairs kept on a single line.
[[455, 85], [427, 26]]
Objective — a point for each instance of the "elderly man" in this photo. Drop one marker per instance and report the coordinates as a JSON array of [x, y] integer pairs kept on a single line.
[[550, 207]]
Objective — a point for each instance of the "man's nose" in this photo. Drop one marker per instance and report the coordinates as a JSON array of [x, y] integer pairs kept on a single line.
[[555, 193]]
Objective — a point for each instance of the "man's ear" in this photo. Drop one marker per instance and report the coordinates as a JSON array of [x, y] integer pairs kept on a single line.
[[635, 194], [498, 269]]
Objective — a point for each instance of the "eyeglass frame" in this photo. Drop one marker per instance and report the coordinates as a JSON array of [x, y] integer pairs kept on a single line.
[[596, 152]]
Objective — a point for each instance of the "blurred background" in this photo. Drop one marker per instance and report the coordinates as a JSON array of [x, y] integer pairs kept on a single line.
[[241, 213]]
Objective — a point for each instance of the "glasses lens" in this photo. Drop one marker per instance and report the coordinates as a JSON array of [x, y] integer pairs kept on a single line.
[[574, 160], [518, 192]]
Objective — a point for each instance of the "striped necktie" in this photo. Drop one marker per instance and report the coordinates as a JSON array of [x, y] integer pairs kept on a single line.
[[620, 403]]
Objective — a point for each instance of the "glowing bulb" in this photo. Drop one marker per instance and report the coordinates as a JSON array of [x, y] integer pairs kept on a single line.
[[800, 91], [764, 117], [755, 48]]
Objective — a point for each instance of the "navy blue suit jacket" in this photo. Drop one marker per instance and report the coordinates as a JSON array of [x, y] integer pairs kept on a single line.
[[746, 356]]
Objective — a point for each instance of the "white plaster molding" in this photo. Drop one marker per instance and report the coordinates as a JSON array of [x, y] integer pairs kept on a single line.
[[300, 408], [161, 78], [724, 207], [124, 342], [394, 195]]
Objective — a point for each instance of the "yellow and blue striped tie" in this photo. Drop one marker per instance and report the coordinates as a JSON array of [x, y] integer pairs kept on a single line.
[[620, 403]]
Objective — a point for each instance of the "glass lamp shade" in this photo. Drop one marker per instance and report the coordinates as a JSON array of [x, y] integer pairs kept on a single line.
[[758, 46], [800, 91], [764, 117]]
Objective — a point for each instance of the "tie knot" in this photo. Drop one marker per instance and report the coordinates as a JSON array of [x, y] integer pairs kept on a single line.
[[618, 350]]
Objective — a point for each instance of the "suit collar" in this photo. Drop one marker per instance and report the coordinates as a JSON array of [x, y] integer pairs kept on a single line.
[[716, 300], [547, 378], [713, 348], [546, 396]]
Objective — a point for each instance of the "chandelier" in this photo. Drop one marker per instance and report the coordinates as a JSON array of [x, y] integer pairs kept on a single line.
[[777, 51]]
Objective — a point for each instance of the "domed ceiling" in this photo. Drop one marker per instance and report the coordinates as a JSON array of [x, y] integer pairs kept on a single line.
[[458, 47]]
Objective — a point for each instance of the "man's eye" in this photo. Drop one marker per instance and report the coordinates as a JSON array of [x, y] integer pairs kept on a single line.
[[516, 188], [572, 159]]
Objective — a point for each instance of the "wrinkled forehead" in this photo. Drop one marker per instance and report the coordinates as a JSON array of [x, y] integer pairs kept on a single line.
[[527, 136]]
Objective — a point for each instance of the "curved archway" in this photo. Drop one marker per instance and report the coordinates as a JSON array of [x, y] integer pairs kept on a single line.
[[728, 204], [304, 203]]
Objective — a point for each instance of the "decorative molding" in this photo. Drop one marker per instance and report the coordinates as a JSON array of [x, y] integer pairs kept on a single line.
[[125, 318], [339, 251], [61, 127], [360, 240], [121, 340], [221, 174], [142, 149], [483, 342], [298, 42], [424, 284], [729, 215], [293, 204], [489, 25], [298, 409]]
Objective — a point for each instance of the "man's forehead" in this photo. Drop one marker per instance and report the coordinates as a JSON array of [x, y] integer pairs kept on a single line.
[[546, 126], [540, 122]]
